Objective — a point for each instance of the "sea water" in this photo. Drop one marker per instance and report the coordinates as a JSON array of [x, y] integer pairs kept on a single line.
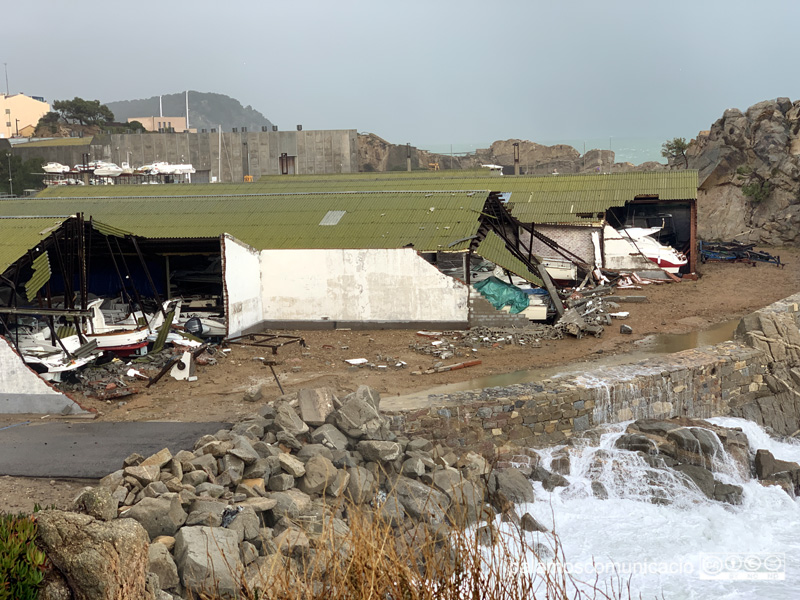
[[662, 537]]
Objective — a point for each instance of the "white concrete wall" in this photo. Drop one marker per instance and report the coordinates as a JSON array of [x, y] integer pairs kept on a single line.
[[241, 273], [23, 391], [395, 285]]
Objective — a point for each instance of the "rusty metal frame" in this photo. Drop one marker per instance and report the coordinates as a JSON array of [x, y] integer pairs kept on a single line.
[[267, 340]]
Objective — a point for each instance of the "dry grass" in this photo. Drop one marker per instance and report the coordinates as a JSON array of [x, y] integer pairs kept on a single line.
[[373, 560]]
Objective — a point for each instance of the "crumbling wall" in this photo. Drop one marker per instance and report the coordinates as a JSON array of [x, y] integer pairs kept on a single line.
[[23, 391], [241, 272], [377, 286]]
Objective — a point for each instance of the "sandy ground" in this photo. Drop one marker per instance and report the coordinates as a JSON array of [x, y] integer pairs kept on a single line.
[[723, 292]]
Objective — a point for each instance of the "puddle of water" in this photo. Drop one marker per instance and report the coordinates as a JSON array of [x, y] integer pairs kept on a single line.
[[645, 348], [667, 344]]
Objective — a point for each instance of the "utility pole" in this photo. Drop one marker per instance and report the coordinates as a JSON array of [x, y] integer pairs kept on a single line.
[[6, 67], [10, 180], [408, 156]]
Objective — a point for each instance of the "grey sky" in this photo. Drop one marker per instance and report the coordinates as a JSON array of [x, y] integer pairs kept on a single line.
[[422, 71]]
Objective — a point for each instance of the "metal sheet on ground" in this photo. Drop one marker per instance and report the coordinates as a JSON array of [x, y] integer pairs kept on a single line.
[[90, 450]]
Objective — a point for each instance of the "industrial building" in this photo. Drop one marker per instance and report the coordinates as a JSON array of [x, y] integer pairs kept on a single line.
[[231, 156]]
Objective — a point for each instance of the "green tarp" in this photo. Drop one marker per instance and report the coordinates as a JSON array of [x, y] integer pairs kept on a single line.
[[500, 294]]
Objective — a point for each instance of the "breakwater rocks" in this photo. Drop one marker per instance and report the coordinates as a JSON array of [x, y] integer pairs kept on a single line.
[[271, 493]]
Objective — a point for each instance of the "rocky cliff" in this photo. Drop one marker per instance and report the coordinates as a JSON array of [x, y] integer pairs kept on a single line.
[[749, 166], [376, 154]]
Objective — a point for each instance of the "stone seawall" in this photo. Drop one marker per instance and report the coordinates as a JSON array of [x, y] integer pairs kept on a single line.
[[756, 377]]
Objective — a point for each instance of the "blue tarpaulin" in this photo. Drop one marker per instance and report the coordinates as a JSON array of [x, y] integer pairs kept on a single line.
[[500, 294]]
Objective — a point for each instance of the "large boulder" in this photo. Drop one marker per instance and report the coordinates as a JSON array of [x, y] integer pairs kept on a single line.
[[161, 563], [287, 421], [377, 451], [158, 516], [319, 474], [97, 502], [100, 560], [512, 484], [208, 560], [359, 419], [315, 405], [421, 501], [329, 436], [361, 486]]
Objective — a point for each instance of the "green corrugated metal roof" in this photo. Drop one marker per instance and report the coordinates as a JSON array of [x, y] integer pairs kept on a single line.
[[18, 235], [534, 199], [493, 248], [429, 221], [565, 198], [84, 141]]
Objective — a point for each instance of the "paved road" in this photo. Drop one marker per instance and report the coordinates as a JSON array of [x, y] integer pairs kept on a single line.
[[89, 450]]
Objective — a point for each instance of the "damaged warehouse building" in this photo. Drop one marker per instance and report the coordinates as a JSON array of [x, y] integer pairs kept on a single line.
[[402, 250]]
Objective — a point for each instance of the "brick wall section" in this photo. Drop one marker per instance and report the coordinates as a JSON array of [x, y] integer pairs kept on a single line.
[[483, 314], [576, 239], [696, 383]]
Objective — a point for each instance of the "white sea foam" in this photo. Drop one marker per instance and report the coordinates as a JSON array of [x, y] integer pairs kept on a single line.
[[666, 536]]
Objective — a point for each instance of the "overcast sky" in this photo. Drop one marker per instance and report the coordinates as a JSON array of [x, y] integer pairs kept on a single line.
[[421, 71]]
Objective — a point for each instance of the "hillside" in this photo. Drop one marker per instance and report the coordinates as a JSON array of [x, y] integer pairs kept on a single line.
[[206, 110]]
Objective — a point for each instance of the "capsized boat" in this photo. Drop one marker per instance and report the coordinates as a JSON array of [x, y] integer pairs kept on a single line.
[[665, 257]]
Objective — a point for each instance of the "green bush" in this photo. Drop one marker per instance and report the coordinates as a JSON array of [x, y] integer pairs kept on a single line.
[[21, 562]]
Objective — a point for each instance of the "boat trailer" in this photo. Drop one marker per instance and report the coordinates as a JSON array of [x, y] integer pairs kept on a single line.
[[736, 252]]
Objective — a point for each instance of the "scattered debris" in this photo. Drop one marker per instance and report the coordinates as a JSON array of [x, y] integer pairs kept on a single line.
[[267, 340], [736, 252], [356, 361]]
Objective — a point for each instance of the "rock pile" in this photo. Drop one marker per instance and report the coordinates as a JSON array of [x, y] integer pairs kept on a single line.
[[266, 490]]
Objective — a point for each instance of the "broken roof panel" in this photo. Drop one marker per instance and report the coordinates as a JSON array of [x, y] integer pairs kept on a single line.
[[493, 249], [20, 234]]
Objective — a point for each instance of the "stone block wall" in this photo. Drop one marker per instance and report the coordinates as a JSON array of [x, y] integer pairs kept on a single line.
[[757, 378]]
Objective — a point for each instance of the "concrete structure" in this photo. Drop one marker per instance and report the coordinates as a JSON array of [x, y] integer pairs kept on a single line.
[[363, 288], [756, 378], [163, 124], [18, 111], [220, 157], [23, 391]]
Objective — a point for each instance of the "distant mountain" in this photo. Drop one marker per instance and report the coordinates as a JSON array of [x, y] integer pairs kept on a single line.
[[206, 110]]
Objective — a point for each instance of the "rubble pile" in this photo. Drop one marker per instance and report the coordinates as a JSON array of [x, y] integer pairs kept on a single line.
[[121, 377], [588, 313], [266, 489], [448, 344]]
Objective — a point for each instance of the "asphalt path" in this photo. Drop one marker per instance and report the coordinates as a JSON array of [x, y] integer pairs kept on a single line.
[[89, 450]]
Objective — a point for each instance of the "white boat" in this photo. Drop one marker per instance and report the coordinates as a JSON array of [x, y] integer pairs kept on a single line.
[[107, 170], [49, 359], [665, 257], [55, 167]]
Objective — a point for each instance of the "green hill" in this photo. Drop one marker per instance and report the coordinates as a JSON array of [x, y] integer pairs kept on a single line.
[[206, 110]]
